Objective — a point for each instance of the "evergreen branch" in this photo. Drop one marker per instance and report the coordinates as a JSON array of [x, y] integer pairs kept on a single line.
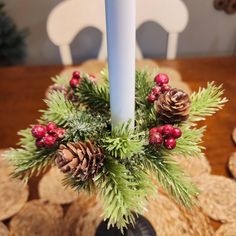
[[171, 178], [29, 162], [146, 118], [27, 141], [189, 144], [60, 80], [76, 184], [86, 126], [124, 142], [142, 88], [94, 96], [60, 109], [206, 102], [118, 191]]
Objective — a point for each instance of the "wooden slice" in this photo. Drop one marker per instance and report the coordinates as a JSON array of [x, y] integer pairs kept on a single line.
[[232, 164], [217, 197], [52, 189], [3, 230], [227, 230], [13, 193], [199, 223], [5, 168], [38, 218], [194, 166], [170, 219], [83, 216]]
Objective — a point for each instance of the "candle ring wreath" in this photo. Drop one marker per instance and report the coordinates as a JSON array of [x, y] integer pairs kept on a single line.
[[124, 165]]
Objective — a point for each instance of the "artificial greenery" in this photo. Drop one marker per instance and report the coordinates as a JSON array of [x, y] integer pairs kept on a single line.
[[12, 40], [132, 167]]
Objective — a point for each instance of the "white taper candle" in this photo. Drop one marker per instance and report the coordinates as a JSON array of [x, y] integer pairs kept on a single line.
[[121, 28]]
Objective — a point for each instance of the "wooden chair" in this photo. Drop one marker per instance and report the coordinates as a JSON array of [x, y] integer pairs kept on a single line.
[[69, 17]]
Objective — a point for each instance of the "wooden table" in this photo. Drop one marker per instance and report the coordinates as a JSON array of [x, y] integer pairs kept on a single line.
[[22, 90]]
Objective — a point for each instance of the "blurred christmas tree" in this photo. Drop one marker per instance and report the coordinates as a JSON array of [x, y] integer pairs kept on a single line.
[[12, 41]]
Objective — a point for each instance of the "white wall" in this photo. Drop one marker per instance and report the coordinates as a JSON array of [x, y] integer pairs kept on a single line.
[[209, 33]]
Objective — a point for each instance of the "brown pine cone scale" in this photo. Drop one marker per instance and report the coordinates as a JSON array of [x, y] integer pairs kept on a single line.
[[82, 160], [173, 106]]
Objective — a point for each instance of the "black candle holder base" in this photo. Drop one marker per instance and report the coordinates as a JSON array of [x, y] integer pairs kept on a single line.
[[142, 227]]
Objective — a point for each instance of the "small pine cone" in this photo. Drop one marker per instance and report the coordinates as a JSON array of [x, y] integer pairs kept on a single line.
[[56, 88], [82, 160], [173, 106]]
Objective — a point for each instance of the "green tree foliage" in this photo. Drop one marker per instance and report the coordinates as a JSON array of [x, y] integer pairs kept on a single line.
[[12, 40]]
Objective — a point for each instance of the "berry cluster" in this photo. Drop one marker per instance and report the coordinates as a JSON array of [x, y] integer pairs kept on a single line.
[[47, 136], [166, 135], [161, 87], [75, 80]]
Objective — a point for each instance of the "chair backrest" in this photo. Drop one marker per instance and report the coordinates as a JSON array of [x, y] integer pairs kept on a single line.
[[69, 17]]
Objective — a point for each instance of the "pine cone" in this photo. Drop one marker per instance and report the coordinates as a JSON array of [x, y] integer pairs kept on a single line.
[[173, 106], [82, 160]]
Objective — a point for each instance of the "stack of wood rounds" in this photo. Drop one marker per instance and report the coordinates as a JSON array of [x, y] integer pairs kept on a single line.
[[217, 197], [84, 216], [195, 166], [13, 193], [3, 230], [52, 189], [38, 218]]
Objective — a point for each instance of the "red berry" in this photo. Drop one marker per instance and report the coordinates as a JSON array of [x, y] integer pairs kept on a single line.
[[160, 129], [167, 130], [153, 130], [176, 133], [156, 90], [170, 143], [49, 140], [74, 82], [165, 88], [38, 131], [151, 98], [156, 139], [161, 79], [51, 127], [76, 74], [59, 133], [40, 143]]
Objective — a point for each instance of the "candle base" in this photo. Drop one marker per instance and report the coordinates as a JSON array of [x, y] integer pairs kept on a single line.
[[142, 227]]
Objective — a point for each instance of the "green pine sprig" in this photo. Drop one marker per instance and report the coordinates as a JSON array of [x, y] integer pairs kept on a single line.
[[124, 142], [170, 177], [59, 109], [119, 193], [29, 160], [86, 126], [189, 144], [95, 97], [206, 102], [61, 80]]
